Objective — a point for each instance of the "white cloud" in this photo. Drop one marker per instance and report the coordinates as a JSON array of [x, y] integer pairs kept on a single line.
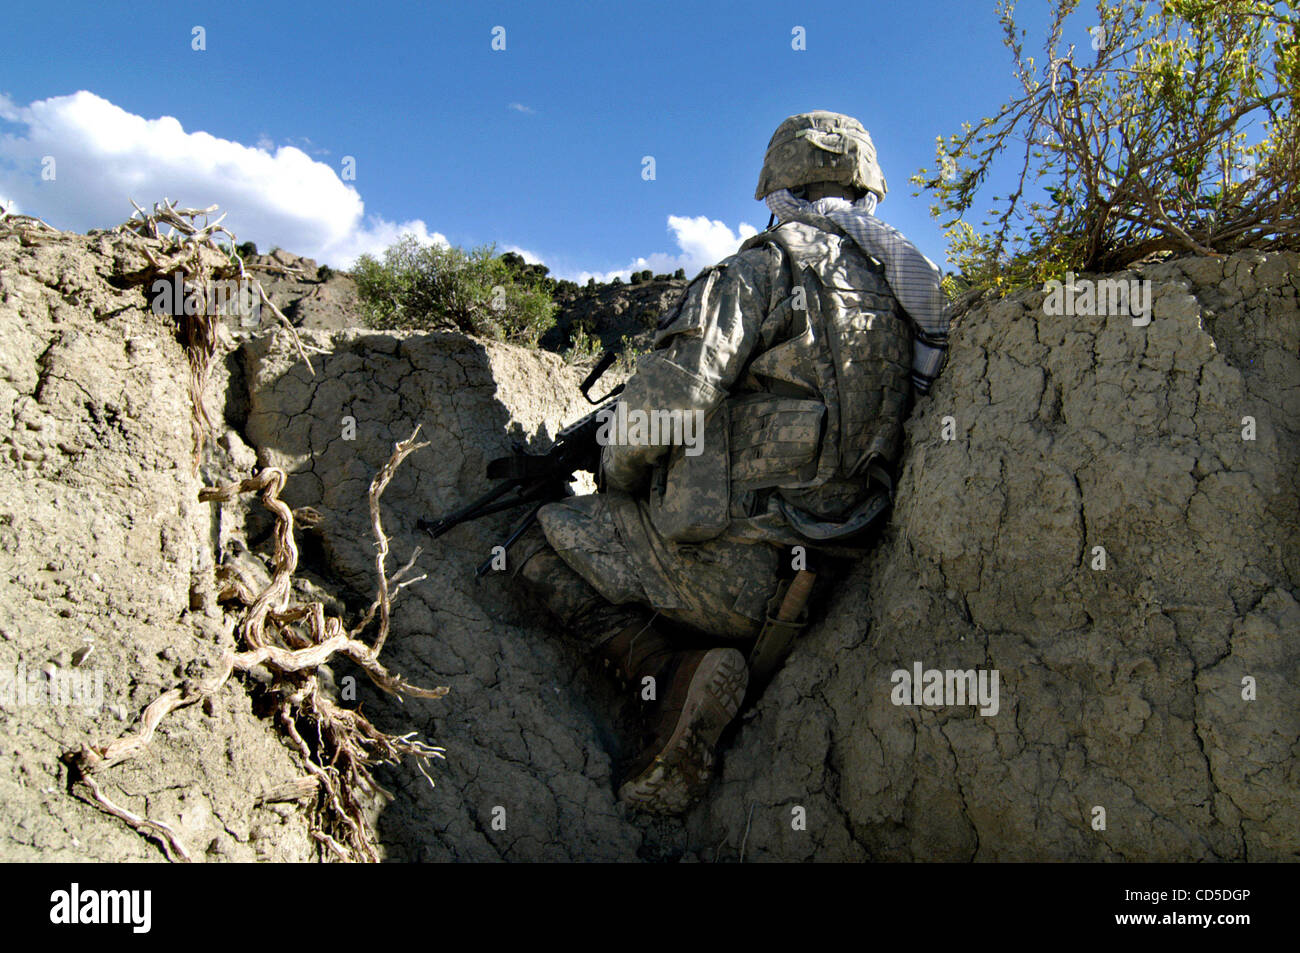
[[105, 155], [521, 108], [530, 258], [375, 236], [702, 241]]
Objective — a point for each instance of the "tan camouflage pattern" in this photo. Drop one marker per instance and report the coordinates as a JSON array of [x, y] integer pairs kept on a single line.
[[719, 588], [820, 146], [586, 616], [799, 401]]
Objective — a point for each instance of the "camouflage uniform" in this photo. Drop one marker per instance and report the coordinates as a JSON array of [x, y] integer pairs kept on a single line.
[[798, 356]]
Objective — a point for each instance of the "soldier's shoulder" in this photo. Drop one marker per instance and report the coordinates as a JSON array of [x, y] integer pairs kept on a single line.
[[801, 241], [751, 257]]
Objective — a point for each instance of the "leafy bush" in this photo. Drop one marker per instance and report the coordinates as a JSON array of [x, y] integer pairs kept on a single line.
[[679, 273], [584, 347], [636, 278], [442, 287], [628, 353], [247, 250], [1143, 150]]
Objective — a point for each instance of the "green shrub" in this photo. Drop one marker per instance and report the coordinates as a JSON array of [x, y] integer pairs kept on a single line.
[[247, 250], [1143, 149], [679, 273], [627, 356], [584, 347], [442, 287]]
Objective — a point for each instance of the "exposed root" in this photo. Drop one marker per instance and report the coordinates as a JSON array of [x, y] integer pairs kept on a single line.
[[185, 243], [339, 746], [377, 487], [159, 831]]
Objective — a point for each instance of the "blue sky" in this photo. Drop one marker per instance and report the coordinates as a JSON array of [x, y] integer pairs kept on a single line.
[[537, 147]]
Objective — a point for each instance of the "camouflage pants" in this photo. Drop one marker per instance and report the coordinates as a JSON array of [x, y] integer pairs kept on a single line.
[[597, 563]]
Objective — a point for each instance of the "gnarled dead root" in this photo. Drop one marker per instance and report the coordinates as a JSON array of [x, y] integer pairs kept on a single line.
[[184, 244], [339, 746]]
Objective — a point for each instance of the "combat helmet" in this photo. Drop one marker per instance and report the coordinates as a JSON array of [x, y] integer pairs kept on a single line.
[[820, 146]]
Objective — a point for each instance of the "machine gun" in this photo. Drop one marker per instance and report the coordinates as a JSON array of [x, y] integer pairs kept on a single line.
[[537, 479]]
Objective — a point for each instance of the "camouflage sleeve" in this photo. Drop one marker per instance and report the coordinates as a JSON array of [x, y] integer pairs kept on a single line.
[[700, 350]]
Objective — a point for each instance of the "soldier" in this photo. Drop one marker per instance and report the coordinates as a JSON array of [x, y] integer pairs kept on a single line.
[[800, 351]]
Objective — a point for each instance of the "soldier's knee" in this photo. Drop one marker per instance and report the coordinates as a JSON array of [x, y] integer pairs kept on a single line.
[[533, 558]]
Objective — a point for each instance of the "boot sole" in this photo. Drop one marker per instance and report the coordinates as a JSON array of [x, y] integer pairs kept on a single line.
[[681, 772]]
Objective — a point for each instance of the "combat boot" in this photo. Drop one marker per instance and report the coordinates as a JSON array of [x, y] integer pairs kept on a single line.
[[698, 693]]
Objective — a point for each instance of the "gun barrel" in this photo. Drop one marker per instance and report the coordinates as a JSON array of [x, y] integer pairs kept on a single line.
[[486, 566]]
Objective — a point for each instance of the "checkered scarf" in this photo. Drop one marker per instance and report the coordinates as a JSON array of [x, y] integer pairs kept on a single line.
[[913, 277]]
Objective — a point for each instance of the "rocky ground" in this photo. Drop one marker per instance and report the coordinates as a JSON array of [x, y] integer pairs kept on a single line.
[[615, 313], [612, 315], [311, 297], [1120, 688]]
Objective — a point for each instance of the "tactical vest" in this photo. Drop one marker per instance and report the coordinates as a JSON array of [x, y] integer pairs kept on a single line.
[[853, 332], [810, 414]]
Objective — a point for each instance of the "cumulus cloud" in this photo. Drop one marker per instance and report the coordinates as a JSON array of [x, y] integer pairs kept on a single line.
[[529, 257], [702, 242], [103, 154], [521, 108]]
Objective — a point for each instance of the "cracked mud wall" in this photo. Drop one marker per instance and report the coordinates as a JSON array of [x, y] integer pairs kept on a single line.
[[524, 721], [1119, 688], [104, 545]]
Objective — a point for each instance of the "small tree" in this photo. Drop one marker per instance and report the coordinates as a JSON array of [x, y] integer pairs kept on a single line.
[[1143, 150], [442, 287]]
